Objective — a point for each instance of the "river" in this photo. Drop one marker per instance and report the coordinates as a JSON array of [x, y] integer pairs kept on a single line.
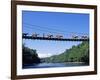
[[51, 65]]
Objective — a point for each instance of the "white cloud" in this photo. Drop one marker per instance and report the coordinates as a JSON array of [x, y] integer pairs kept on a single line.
[[44, 55]]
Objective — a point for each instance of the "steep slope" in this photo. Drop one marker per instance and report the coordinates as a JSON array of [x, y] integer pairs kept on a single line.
[[29, 56], [79, 53]]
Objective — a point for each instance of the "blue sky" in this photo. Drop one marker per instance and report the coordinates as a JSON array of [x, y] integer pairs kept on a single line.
[[66, 24]]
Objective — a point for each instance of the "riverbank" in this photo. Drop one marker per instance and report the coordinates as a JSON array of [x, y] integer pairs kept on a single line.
[[65, 62], [74, 62]]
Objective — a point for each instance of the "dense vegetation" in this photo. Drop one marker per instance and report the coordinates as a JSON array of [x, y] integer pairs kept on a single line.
[[29, 56], [79, 53]]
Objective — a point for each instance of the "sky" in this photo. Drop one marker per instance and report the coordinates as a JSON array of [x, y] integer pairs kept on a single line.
[[66, 24]]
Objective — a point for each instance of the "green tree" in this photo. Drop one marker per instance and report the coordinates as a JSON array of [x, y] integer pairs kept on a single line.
[[29, 56], [79, 53]]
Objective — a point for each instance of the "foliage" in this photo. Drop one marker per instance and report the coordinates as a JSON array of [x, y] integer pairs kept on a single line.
[[30, 56], [79, 53]]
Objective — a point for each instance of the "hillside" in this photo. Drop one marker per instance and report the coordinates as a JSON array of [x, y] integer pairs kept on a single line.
[[29, 56], [79, 53]]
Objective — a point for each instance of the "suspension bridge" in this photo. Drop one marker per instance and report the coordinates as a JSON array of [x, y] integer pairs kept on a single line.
[[57, 37], [49, 37]]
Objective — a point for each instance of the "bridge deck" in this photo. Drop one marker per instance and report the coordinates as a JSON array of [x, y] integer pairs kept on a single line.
[[62, 39]]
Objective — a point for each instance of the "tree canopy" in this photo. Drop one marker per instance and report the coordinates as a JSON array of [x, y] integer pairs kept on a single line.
[[29, 56], [79, 53]]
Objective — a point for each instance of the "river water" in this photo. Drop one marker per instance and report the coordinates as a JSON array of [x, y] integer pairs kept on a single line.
[[51, 65]]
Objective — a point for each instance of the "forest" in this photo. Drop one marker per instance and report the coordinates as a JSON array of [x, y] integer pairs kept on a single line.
[[79, 53], [29, 56]]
